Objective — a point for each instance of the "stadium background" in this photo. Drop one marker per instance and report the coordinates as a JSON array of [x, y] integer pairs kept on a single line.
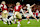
[[11, 3]]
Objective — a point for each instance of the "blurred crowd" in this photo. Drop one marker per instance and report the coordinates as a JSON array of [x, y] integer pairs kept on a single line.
[[11, 6]]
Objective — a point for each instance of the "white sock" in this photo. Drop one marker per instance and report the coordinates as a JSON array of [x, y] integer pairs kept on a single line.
[[37, 20], [18, 22], [9, 22], [12, 22], [4, 22], [15, 20]]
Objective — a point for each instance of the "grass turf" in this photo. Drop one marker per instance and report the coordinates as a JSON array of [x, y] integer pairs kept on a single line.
[[33, 23]]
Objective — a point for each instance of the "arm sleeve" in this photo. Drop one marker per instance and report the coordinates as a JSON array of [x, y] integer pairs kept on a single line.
[[13, 12], [1, 6], [22, 11]]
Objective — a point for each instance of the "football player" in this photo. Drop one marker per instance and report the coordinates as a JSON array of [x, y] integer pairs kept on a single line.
[[30, 12], [17, 14], [4, 11]]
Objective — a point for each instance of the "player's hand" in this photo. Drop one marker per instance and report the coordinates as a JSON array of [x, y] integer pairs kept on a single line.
[[25, 12], [34, 4]]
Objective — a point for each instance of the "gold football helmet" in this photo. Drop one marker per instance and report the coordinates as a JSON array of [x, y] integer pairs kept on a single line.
[[3, 2], [18, 3]]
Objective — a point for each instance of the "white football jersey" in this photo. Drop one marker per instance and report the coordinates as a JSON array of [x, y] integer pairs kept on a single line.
[[29, 9]]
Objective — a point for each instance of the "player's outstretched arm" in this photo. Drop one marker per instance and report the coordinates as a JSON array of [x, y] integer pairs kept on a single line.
[[33, 5], [22, 11], [26, 11], [13, 12]]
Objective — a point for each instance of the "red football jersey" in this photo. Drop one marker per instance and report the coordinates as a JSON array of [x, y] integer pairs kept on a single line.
[[4, 7], [17, 8]]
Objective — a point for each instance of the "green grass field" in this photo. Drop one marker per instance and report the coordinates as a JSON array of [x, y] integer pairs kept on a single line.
[[33, 23]]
